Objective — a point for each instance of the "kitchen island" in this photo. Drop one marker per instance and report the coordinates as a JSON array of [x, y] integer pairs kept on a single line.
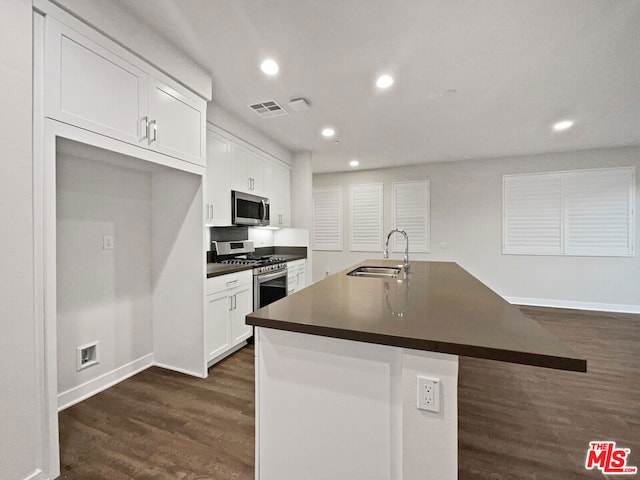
[[337, 366]]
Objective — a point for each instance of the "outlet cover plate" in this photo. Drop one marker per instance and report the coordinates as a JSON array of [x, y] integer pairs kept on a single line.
[[428, 391], [87, 356]]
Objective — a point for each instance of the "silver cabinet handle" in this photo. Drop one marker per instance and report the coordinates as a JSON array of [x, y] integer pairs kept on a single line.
[[154, 128], [211, 209], [279, 219], [144, 121], [231, 303]]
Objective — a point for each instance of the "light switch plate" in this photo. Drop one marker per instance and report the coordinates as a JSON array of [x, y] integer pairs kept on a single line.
[[107, 242]]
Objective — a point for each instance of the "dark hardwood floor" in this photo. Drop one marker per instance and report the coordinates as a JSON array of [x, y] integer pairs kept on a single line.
[[163, 425], [525, 423], [515, 422]]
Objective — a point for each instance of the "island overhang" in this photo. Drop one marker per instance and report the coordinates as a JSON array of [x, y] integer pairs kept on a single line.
[[437, 306]]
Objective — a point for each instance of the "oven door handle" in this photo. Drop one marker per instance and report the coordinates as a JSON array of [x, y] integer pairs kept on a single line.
[[271, 276]]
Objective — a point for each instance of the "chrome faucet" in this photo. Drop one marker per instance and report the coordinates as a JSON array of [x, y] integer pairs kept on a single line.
[[406, 248]]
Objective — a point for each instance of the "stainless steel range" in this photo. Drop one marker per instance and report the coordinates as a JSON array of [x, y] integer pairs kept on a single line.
[[269, 271]]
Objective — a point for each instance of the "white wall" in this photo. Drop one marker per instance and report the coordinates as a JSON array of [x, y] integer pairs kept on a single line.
[[103, 295], [20, 360], [114, 21], [466, 227]]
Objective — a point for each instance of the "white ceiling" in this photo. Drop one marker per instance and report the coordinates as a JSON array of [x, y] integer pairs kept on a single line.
[[516, 66]]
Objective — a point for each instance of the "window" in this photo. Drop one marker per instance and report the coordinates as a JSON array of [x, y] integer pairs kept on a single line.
[[411, 213], [582, 212], [366, 217], [327, 218]]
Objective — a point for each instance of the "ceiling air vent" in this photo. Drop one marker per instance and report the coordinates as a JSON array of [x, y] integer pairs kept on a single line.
[[268, 109]]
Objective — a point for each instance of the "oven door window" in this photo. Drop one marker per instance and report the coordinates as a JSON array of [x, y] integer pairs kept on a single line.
[[271, 288]]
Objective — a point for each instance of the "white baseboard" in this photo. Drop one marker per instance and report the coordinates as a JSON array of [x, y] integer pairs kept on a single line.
[[90, 388], [179, 370], [224, 355], [36, 475], [598, 307]]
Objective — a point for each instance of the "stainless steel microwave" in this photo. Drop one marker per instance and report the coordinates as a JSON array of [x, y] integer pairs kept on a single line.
[[247, 209]]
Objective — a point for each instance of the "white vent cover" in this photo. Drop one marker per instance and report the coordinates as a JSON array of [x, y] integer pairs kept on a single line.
[[268, 109], [299, 104]]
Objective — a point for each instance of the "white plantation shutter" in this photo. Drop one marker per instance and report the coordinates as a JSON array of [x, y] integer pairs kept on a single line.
[[582, 212], [327, 218], [366, 217], [532, 214], [411, 213], [598, 212]]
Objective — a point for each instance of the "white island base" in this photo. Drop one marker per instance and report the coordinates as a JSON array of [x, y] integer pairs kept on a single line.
[[333, 409]]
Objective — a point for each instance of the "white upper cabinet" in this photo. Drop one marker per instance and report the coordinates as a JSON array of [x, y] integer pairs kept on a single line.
[[248, 170], [239, 167], [176, 125], [83, 82], [235, 165], [278, 190], [218, 180], [92, 86]]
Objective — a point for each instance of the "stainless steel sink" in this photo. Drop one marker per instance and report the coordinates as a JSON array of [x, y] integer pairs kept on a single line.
[[377, 272]]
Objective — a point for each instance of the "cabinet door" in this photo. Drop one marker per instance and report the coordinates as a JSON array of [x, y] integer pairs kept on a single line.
[[243, 305], [292, 282], [218, 324], [240, 168], [302, 281], [277, 189], [255, 168], [285, 196], [177, 123], [92, 88], [219, 180]]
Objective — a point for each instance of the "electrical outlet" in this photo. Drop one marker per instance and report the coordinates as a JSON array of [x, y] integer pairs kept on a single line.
[[107, 242], [428, 393], [87, 356]]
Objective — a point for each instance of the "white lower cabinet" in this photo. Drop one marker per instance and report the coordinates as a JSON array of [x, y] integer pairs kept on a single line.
[[229, 299], [242, 306], [296, 272]]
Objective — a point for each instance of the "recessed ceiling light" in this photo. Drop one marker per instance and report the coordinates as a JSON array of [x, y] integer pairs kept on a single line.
[[328, 132], [563, 125], [354, 163], [269, 66], [384, 81]]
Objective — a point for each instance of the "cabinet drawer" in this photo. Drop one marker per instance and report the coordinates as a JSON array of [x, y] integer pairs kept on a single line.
[[229, 281], [296, 264]]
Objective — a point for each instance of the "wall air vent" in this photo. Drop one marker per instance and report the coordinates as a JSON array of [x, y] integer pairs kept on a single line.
[[268, 109]]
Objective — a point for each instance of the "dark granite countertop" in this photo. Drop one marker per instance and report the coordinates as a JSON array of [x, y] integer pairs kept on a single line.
[[440, 308], [216, 269]]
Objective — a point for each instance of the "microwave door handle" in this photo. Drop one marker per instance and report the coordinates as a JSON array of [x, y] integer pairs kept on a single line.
[[264, 211]]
